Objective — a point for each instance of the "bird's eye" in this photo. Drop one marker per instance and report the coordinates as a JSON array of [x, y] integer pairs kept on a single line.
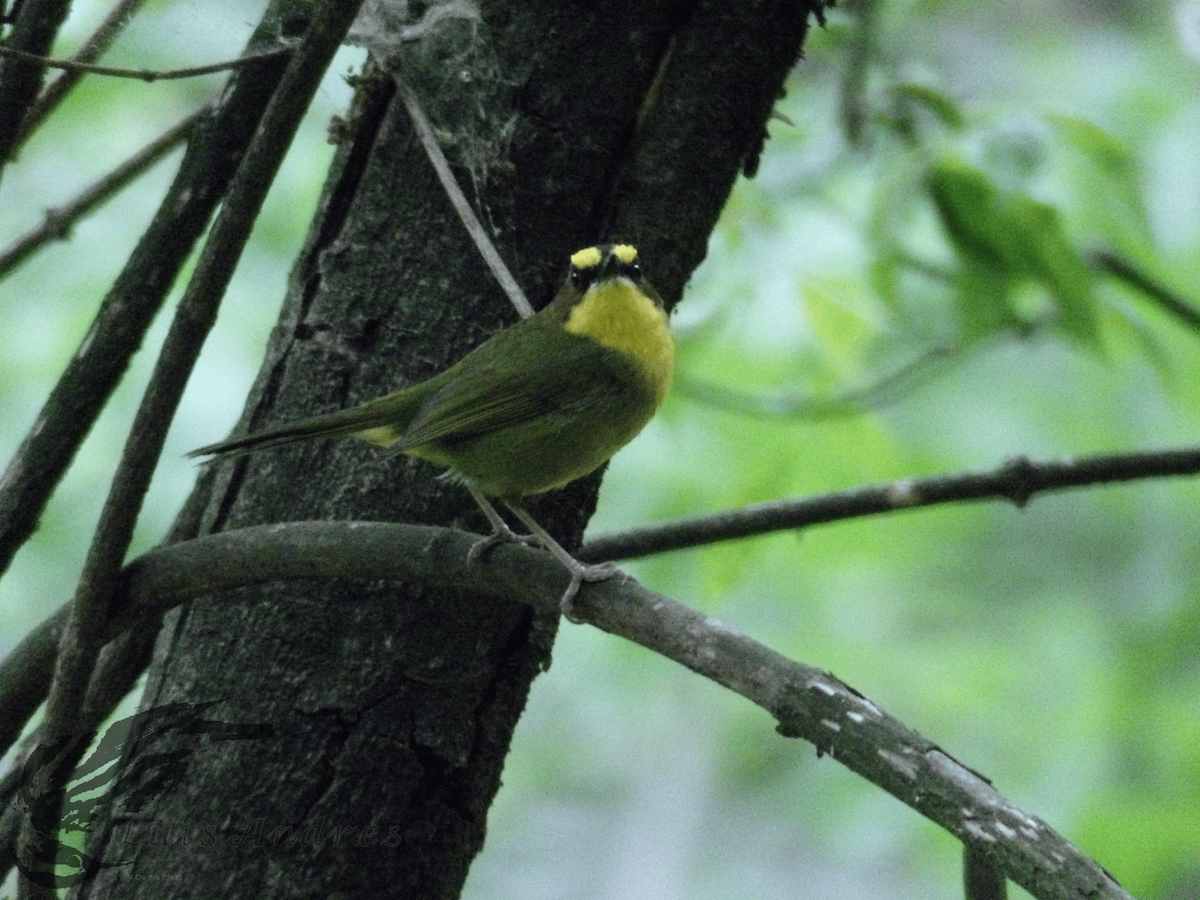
[[578, 277]]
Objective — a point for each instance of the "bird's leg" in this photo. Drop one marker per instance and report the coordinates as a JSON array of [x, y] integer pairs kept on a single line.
[[580, 572], [501, 533]]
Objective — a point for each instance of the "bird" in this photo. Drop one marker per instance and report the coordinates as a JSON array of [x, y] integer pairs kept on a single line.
[[537, 405]]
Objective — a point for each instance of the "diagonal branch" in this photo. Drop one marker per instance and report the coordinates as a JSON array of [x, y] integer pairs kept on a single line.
[[34, 31], [25, 673], [1016, 481], [885, 390], [458, 200], [89, 612], [58, 222], [148, 75], [1138, 279], [208, 166], [89, 51], [807, 702]]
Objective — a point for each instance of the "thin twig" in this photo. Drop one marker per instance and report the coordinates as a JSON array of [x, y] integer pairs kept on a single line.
[[137, 295], [807, 702], [141, 74], [58, 222], [887, 389], [450, 184], [1016, 481], [1155, 290], [89, 51], [853, 106]]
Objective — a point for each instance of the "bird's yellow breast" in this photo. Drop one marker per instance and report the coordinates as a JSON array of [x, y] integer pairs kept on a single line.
[[618, 315]]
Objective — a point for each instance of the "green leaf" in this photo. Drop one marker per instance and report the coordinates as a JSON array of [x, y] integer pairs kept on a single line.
[[971, 212], [1054, 261], [844, 332], [984, 300], [943, 106], [884, 275], [1100, 146], [1003, 239], [1114, 198]]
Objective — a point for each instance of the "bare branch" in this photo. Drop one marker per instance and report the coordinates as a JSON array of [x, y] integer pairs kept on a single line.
[[89, 51], [1125, 271], [458, 200], [36, 27], [806, 701], [80, 643], [208, 166], [981, 880], [141, 74], [1016, 481], [59, 222]]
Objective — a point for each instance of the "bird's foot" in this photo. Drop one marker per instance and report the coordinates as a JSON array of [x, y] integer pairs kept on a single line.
[[500, 535], [579, 574]]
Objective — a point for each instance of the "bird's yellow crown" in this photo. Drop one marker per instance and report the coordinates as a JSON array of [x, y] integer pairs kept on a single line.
[[592, 256]]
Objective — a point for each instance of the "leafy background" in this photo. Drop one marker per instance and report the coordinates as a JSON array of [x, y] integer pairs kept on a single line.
[[906, 288]]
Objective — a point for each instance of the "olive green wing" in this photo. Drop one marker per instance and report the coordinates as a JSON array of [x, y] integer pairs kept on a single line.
[[509, 384]]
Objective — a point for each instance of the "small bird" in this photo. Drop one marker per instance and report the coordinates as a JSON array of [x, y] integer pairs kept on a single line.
[[537, 405]]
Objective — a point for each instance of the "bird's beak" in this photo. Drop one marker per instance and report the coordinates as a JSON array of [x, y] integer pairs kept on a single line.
[[608, 267]]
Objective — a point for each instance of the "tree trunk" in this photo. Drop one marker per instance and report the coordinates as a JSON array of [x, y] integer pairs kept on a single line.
[[385, 710]]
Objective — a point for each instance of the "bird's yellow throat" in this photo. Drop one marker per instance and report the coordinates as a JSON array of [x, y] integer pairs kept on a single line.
[[616, 314]]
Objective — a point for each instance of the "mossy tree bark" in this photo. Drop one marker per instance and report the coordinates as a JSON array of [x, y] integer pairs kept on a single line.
[[386, 710]]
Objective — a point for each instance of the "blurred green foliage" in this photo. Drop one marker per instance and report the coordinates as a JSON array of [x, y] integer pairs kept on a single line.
[[921, 300], [912, 296]]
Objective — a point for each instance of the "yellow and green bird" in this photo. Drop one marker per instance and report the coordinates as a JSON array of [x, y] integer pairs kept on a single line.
[[537, 405]]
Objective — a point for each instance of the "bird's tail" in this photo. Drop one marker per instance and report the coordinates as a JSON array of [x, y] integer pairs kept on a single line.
[[380, 421]]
